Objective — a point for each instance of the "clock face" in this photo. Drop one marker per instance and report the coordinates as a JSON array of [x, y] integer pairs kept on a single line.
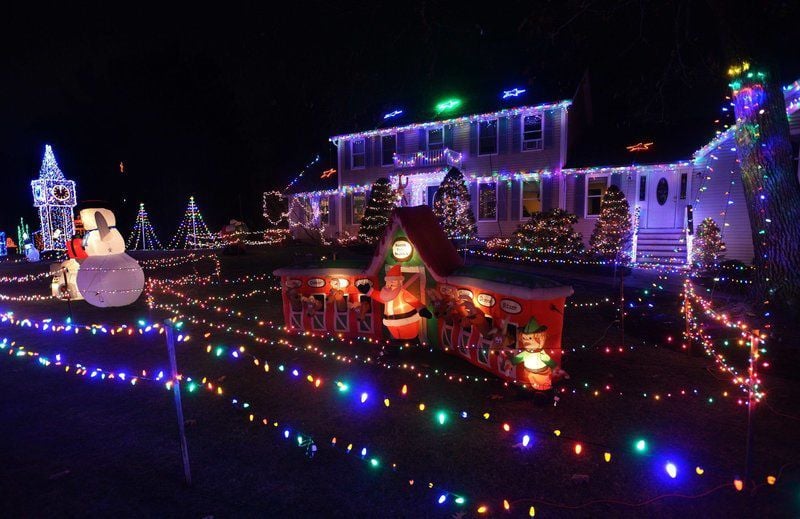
[[60, 193], [37, 192]]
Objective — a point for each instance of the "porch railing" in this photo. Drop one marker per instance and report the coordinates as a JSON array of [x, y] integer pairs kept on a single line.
[[421, 159]]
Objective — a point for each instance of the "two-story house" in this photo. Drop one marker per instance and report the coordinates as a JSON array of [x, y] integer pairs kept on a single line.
[[516, 163]]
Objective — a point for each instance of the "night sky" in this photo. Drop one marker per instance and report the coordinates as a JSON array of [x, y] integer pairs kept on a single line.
[[228, 102]]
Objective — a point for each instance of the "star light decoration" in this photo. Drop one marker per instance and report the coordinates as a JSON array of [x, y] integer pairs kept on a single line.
[[448, 105], [639, 146], [394, 113], [514, 92], [328, 173]]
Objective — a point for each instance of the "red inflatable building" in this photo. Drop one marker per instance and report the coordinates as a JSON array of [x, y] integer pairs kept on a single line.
[[416, 287]]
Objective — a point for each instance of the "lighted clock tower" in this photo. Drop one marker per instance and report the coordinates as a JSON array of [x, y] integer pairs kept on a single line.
[[54, 195]]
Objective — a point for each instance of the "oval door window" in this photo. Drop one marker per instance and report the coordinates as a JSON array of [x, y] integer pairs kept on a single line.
[[662, 191]]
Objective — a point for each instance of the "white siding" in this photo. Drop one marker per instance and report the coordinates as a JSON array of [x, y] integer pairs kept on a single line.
[[718, 173]]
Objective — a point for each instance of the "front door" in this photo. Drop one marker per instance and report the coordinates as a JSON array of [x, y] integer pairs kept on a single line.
[[662, 199]]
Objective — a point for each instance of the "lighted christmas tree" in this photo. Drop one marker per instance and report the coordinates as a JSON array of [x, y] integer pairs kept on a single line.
[[612, 232], [453, 207], [143, 233], [192, 232], [549, 234], [376, 215], [707, 248]]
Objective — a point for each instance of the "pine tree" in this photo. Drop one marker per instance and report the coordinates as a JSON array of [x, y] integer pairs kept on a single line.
[[549, 233], [376, 214], [143, 233], [192, 232], [453, 207], [612, 232], [707, 248]]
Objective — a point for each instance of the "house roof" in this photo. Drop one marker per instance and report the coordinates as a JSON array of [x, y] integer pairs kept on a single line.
[[431, 243], [316, 177], [457, 117]]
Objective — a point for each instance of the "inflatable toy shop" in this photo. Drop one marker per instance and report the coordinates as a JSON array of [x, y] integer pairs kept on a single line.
[[416, 287]]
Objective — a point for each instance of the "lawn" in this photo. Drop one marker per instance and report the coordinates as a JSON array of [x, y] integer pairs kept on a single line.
[[77, 445]]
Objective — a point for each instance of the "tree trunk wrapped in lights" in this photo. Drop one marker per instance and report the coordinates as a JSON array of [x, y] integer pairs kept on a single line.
[[708, 248], [549, 234], [453, 207], [379, 207], [612, 232], [770, 184]]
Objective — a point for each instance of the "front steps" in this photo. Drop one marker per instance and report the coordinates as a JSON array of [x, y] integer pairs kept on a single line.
[[661, 246]]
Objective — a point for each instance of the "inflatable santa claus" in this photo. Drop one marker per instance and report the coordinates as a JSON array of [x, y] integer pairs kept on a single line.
[[402, 311]]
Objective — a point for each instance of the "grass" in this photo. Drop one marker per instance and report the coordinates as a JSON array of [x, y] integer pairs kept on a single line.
[[77, 447]]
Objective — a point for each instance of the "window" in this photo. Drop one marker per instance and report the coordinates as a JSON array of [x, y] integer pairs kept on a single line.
[[365, 323], [388, 149], [435, 139], [684, 185], [595, 189], [359, 205], [487, 137], [485, 344], [487, 201], [324, 210], [642, 187], [357, 158], [531, 197], [318, 312], [341, 315], [532, 131]]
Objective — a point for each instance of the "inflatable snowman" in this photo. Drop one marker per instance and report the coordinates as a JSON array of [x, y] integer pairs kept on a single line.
[[108, 276]]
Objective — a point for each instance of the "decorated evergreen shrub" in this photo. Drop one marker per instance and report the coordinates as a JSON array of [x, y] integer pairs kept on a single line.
[[376, 214], [549, 234], [611, 237], [453, 207], [708, 249]]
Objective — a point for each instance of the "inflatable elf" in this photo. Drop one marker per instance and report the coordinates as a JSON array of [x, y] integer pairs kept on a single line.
[[537, 364], [401, 310]]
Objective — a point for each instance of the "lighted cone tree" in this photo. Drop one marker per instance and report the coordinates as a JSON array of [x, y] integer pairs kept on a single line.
[[707, 248], [192, 232], [549, 234], [379, 208], [611, 236], [770, 184], [453, 207], [143, 236]]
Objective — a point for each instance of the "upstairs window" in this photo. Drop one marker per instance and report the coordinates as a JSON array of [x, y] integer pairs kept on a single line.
[[357, 157], [531, 197], [487, 201], [487, 137], [595, 189], [436, 139], [388, 149], [532, 131]]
